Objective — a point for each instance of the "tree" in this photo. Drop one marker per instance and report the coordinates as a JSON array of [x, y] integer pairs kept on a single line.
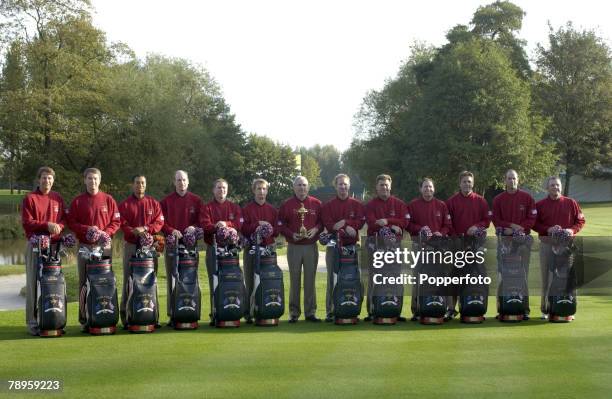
[[328, 158], [311, 171], [574, 91], [271, 161]]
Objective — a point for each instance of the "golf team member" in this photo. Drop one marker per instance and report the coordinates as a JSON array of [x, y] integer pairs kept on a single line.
[[92, 209], [220, 212], [257, 213], [469, 212], [301, 250], [344, 216], [181, 210], [42, 212], [427, 211], [383, 211], [554, 212], [515, 210], [140, 214]]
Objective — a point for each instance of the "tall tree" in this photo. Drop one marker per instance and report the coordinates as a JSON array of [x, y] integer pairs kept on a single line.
[[574, 90], [311, 171]]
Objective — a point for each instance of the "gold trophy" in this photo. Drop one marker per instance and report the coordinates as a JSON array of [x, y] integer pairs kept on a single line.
[[303, 233]]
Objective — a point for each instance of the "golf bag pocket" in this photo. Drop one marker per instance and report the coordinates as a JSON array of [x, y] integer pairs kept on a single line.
[[229, 290], [51, 297], [186, 296], [269, 291], [142, 305], [100, 295]]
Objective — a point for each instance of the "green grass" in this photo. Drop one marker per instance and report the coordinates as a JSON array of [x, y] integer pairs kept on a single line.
[[493, 360], [7, 270], [598, 219]]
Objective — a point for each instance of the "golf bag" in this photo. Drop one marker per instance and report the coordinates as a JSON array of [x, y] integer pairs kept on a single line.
[[142, 308], [98, 297], [561, 300], [473, 298], [347, 294], [268, 301], [50, 292], [431, 299], [185, 292], [387, 299], [512, 276], [228, 289]]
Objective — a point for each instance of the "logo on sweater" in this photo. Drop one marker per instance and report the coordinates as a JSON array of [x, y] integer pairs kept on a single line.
[[351, 215], [438, 214], [392, 213], [150, 212], [104, 209], [231, 216], [55, 208], [191, 209]]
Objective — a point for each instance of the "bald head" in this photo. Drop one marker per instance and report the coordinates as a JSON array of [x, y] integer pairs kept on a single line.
[[301, 187]]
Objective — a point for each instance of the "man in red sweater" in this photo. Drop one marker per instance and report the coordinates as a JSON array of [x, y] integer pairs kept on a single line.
[[514, 210], [181, 210], [343, 216], [42, 213], [220, 212], [92, 210], [555, 212], [385, 210], [469, 212], [427, 212], [140, 214], [302, 247], [257, 213]]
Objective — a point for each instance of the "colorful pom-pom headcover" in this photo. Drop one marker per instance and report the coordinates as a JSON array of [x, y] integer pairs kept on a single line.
[[387, 234], [227, 236], [99, 237], [44, 241], [425, 233], [145, 240]]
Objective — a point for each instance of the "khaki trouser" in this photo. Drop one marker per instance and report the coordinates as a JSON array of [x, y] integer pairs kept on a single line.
[[330, 260], [210, 269], [31, 281], [308, 257], [249, 272], [169, 260], [545, 259], [129, 250]]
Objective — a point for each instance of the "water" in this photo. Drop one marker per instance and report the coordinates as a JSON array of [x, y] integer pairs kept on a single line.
[[12, 252]]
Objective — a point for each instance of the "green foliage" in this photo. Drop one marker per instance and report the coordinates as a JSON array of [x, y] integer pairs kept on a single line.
[[311, 171], [328, 159], [574, 91]]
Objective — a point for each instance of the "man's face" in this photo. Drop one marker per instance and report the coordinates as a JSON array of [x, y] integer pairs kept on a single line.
[[300, 188], [512, 181], [260, 192], [139, 185], [554, 188], [383, 189], [467, 184], [220, 191], [427, 190], [45, 182], [181, 182], [92, 183], [343, 186]]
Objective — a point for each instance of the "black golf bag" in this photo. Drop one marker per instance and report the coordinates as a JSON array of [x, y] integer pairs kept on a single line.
[[228, 289], [142, 308], [561, 300], [185, 296], [268, 301], [473, 298], [512, 278], [387, 299], [98, 297], [431, 299], [50, 292], [347, 293]]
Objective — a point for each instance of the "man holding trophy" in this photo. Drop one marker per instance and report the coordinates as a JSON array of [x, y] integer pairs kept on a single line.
[[299, 220]]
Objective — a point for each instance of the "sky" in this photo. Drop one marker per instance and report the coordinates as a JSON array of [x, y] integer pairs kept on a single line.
[[297, 71]]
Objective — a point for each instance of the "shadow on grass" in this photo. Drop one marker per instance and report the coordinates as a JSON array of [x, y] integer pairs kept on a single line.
[[9, 333]]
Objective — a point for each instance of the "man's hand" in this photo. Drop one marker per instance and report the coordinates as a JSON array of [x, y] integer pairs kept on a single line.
[[552, 229], [340, 224], [54, 228], [139, 231], [220, 224], [508, 231], [263, 223], [437, 234], [351, 231], [472, 230], [396, 229], [177, 234], [312, 232], [516, 227], [381, 222], [296, 237], [570, 232]]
